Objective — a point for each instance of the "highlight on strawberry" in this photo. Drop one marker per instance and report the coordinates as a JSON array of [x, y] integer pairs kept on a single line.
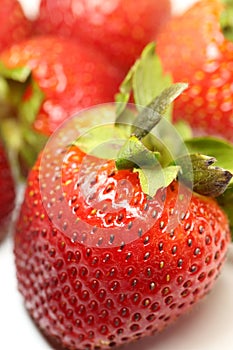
[[121, 230]]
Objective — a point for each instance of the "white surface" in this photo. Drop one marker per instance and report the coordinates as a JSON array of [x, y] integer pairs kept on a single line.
[[181, 5], [30, 7], [208, 326]]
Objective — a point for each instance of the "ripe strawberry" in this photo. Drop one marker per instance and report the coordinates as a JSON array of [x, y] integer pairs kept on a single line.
[[119, 28], [57, 78], [99, 262], [15, 27], [195, 47], [7, 192]]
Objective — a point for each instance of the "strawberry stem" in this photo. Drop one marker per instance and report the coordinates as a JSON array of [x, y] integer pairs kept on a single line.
[[134, 154], [152, 114], [147, 158]]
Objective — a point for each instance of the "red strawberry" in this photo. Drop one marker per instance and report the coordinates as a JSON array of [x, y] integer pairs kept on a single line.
[[118, 28], [15, 26], [195, 47], [99, 262], [65, 77], [7, 192]]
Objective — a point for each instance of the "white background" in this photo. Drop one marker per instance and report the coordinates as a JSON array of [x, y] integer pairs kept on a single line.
[[208, 326]]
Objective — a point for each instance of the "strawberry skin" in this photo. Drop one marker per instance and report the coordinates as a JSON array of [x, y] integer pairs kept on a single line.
[[119, 28], [7, 191], [15, 27], [193, 48], [71, 76], [100, 295]]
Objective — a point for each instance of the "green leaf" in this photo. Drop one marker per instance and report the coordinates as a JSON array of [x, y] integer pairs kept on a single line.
[[226, 19], [20, 74], [220, 149], [149, 80], [3, 88], [122, 98], [135, 154], [226, 203], [11, 93], [32, 142], [199, 173], [11, 134], [145, 81], [152, 180], [103, 141], [23, 144], [98, 133], [127, 117], [5, 103], [28, 109], [17, 116], [14, 82], [183, 129]]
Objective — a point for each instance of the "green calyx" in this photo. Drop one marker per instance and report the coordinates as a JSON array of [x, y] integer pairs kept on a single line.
[[156, 171], [226, 19], [145, 154], [134, 152], [146, 146], [17, 114], [205, 178], [222, 151], [226, 203]]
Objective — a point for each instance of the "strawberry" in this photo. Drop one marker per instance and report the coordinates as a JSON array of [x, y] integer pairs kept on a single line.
[[118, 28], [50, 79], [15, 27], [197, 47], [7, 192], [104, 257]]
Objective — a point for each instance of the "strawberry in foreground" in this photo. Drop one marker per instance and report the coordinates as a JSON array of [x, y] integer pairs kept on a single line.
[[15, 27], [7, 192], [119, 28], [197, 48], [44, 81], [104, 257]]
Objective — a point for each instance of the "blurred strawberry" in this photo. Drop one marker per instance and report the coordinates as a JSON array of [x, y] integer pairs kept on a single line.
[[48, 79], [197, 47], [118, 28], [14, 25], [7, 192]]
